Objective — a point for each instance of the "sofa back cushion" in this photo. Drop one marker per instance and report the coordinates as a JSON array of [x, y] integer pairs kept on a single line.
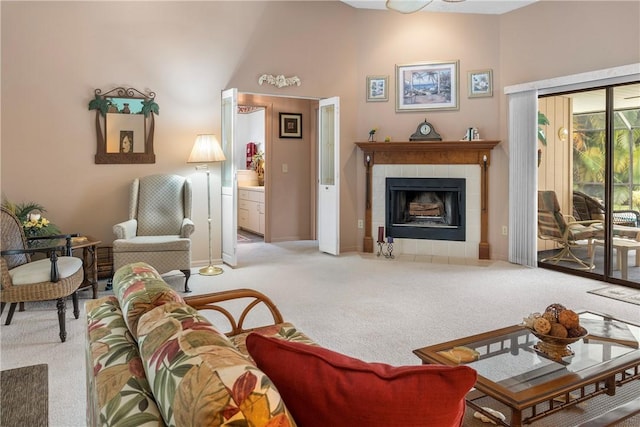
[[139, 289], [324, 388], [117, 389], [199, 378]]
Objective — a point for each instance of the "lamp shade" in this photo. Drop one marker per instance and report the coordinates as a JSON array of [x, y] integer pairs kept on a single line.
[[206, 149], [407, 6]]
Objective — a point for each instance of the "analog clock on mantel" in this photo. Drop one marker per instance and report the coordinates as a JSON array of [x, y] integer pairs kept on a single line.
[[425, 132]]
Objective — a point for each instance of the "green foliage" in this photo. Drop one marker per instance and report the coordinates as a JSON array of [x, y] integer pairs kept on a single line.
[[150, 106], [99, 103], [542, 121], [22, 210], [589, 159]]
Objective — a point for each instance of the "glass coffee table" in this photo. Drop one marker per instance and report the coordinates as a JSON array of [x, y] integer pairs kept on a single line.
[[533, 385]]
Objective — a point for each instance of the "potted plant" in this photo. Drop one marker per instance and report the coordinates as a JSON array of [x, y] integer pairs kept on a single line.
[[542, 121], [32, 219]]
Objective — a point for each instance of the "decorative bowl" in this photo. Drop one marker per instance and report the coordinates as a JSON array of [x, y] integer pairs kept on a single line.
[[555, 347]]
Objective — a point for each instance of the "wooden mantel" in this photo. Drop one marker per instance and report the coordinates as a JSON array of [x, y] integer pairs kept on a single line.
[[425, 153]]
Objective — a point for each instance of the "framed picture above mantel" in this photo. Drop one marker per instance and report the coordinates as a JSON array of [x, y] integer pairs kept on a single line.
[[427, 86]]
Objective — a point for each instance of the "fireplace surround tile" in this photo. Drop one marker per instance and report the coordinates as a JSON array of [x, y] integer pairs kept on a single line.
[[425, 247]]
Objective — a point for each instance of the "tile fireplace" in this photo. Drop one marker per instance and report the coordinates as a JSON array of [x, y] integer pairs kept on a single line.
[[461, 162]]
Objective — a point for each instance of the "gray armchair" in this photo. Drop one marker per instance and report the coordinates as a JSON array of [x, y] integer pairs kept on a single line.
[[159, 225]]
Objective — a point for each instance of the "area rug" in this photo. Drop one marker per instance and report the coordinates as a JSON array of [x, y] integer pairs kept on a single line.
[[620, 293], [24, 396]]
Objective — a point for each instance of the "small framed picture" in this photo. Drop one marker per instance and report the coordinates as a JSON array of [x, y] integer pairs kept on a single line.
[[377, 88], [427, 86], [290, 125], [480, 83], [126, 141]]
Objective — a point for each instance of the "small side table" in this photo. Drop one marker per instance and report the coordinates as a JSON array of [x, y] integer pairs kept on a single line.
[[89, 261], [622, 247]]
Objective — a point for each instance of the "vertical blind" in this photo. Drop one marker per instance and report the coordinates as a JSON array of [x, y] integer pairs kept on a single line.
[[523, 177]]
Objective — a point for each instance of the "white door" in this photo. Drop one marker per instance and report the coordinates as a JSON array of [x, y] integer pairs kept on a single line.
[[329, 179], [229, 178]]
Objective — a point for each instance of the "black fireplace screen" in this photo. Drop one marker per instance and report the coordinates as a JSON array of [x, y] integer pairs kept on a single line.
[[426, 208]]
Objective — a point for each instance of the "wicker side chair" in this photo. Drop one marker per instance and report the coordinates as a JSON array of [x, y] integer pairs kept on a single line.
[[23, 280], [565, 231]]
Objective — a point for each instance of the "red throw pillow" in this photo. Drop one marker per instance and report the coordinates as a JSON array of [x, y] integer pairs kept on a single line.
[[324, 388]]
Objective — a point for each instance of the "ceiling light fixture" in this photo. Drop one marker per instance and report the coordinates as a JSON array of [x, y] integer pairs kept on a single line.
[[407, 6], [411, 6]]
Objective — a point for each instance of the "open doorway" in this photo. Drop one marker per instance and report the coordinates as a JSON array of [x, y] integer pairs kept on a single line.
[[285, 195], [250, 162]]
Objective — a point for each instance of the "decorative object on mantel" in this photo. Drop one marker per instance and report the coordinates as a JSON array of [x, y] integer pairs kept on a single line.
[[124, 125], [279, 81], [425, 132], [471, 134], [372, 134]]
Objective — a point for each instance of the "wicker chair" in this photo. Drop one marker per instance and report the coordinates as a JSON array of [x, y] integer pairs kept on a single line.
[[23, 280], [587, 208], [564, 230]]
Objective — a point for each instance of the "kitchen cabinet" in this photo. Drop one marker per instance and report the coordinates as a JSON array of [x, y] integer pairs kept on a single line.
[[251, 209]]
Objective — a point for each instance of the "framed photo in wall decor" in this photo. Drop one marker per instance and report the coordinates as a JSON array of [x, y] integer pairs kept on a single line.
[[377, 88], [290, 125], [427, 86], [480, 83]]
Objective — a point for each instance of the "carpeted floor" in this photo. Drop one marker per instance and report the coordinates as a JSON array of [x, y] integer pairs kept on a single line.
[[371, 308], [24, 397], [620, 293]]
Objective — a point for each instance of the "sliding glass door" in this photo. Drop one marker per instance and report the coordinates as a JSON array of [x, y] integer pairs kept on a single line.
[[590, 158]]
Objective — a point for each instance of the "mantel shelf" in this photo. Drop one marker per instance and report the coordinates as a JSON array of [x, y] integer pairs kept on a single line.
[[428, 145]]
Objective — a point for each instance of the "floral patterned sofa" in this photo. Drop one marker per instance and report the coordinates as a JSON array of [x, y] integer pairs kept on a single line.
[[155, 359]]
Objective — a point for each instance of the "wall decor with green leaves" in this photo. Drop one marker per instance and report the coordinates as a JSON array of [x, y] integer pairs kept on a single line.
[[124, 122]]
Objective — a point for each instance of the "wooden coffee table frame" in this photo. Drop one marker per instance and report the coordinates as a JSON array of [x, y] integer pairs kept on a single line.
[[543, 399]]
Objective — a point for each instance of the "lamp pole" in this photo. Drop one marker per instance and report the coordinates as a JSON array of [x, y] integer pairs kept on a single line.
[[207, 150]]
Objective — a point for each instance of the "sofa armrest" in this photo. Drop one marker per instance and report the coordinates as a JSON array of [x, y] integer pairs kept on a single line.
[[253, 299], [187, 228], [126, 229]]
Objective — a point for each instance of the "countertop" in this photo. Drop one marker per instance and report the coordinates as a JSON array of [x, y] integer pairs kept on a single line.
[[251, 187]]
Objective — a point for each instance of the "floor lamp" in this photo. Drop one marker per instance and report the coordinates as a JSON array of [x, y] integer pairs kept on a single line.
[[207, 150]]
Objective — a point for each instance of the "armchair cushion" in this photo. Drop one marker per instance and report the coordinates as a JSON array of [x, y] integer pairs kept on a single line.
[[324, 388], [160, 205], [40, 271], [154, 244]]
